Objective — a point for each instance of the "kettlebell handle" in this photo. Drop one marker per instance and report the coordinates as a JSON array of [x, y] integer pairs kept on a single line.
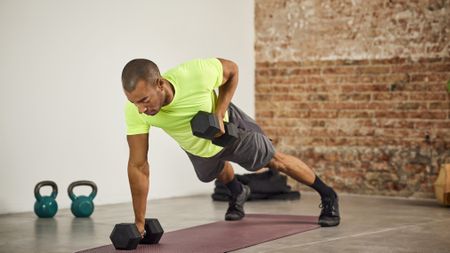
[[72, 196], [39, 185]]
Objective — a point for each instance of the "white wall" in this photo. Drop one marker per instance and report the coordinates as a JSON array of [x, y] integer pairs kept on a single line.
[[60, 93]]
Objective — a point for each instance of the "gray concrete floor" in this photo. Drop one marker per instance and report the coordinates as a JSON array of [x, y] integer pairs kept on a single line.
[[369, 224]]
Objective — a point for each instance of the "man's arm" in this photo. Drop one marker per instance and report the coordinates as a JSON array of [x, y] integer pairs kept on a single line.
[[226, 89], [138, 176]]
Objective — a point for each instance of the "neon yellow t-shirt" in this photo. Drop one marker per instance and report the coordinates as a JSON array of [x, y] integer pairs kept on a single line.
[[194, 83]]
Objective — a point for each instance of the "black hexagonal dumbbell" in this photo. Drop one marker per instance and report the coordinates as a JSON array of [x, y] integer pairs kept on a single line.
[[153, 231], [206, 125], [125, 236]]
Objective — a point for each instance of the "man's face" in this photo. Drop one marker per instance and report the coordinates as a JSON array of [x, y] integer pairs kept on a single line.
[[148, 98]]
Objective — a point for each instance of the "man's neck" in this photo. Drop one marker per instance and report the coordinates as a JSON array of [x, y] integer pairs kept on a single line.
[[170, 92]]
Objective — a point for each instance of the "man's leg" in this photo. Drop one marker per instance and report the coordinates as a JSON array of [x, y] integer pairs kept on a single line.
[[298, 170], [239, 193], [227, 174]]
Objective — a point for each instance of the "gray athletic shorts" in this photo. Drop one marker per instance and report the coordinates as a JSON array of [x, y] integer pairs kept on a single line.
[[252, 150]]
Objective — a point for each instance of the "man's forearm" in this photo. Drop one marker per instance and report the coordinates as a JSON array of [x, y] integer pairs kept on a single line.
[[226, 92], [138, 177]]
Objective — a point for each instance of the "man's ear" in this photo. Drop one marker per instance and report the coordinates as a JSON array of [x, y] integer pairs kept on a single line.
[[160, 83]]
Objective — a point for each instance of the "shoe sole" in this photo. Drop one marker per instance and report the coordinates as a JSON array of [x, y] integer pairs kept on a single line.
[[232, 219], [329, 224]]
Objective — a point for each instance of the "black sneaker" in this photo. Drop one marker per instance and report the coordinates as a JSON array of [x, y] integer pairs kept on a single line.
[[236, 205], [329, 216]]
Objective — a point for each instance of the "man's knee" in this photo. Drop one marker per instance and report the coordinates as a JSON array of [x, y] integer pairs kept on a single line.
[[206, 178], [207, 173]]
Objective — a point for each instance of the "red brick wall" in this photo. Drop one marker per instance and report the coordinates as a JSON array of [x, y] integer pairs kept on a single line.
[[362, 100]]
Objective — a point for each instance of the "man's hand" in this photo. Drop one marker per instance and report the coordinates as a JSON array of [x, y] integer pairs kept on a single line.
[[220, 117]]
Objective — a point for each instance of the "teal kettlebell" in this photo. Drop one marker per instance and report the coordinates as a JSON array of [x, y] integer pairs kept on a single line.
[[82, 206], [45, 206]]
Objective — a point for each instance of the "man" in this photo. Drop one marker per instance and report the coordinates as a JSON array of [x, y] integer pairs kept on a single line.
[[169, 101]]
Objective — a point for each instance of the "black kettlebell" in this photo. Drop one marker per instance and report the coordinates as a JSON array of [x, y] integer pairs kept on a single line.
[[45, 206], [82, 206]]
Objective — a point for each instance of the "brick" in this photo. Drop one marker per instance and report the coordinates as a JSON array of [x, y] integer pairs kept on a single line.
[[333, 79], [346, 62], [318, 123], [391, 114], [262, 72], [264, 114], [439, 77], [368, 123], [349, 88], [302, 106], [395, 60], [427, 115], [339, 106], [373, 70], [365, 88], [419, 78], [354, 114], [361, 97], [260, 65], [390, 96], [354, 97], [395, 123], [392, 78], [327, 88], [428, 96], [277, 71], [338, 70], [374, 106], [315, 80], [439, 106], [301, 88], [288, 97], [318, 97], [432, 125], [444, 67], [306, 71], [408, 68], [424, 87], [411, 106], [352, 79], [430, 60], [263, 89], [322, 114], [293, 114]]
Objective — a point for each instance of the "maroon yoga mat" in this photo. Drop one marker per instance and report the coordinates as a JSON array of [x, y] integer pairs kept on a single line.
[[224, 236]]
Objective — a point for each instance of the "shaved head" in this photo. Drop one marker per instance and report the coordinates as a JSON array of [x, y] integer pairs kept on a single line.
[[136, 70]]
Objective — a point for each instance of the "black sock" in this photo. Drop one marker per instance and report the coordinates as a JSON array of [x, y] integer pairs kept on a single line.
[[234, 186], [323, 189]]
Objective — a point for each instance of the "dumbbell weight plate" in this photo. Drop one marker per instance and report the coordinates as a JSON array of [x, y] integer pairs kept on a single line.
[[231, 134], [153, 231], [205, 125], [125, 236]]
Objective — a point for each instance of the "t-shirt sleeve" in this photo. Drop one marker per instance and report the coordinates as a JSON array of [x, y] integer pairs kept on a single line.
[[134, 122], [216, 70]]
